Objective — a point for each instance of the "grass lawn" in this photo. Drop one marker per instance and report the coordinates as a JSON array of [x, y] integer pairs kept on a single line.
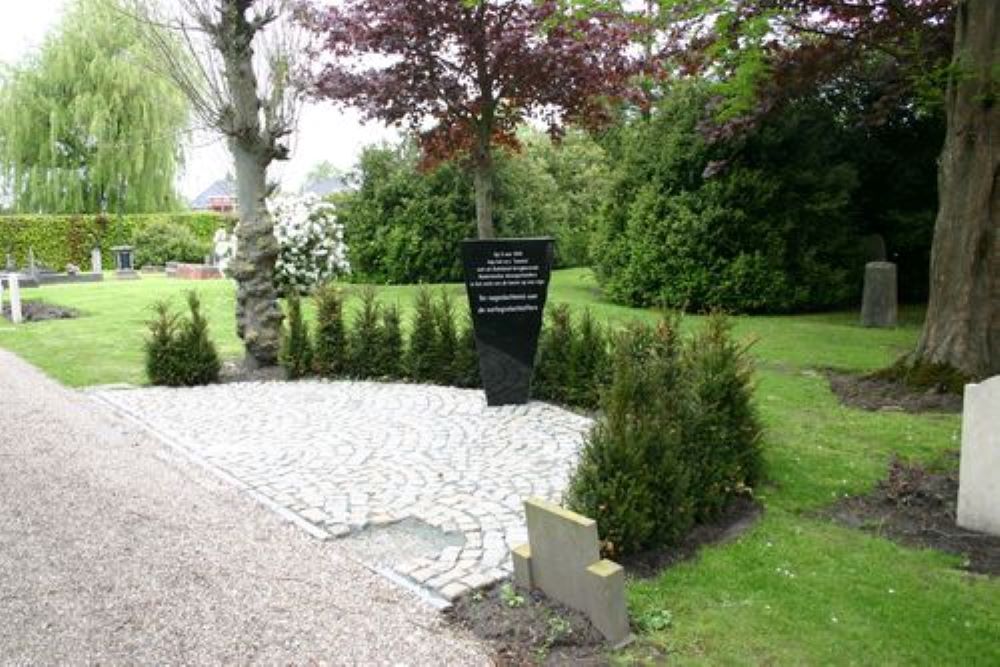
[[796, 589]]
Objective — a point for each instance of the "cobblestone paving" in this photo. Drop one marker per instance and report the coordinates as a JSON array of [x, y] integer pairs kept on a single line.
[[354, 458]]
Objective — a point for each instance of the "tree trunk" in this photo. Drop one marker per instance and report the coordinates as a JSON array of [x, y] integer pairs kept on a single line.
[[258, 317], [483, 180], [962, 328]]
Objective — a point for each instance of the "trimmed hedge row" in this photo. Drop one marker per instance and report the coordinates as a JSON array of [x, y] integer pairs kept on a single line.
[[58, 240]]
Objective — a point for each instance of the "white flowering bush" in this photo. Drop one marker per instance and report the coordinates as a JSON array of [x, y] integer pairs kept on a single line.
[[310, 240]]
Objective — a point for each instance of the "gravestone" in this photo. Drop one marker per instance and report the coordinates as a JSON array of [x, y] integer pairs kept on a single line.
[[11, 265], [562, 559], [979, 473], [96, 265], [507, 283], [124, 262], [32, 267], [879, 304]]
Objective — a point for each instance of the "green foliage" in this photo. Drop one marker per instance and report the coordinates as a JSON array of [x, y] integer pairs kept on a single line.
[[406, 223], [678, 438], [770, 230], [179, 352], [296, 348], [467, 357], [446, 340], [391, 350], [925, 376], [723, 429], [421, 364], [165, 241], [572, 362], [61, 240], [365, 341], [330, 355], [86, 125]]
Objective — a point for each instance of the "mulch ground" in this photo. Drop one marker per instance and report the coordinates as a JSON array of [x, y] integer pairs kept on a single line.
[[877, 394], [39, 311], [529, 629], [917, 507]]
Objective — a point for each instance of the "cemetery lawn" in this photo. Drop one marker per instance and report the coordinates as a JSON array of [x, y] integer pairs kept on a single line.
[[796, 588]]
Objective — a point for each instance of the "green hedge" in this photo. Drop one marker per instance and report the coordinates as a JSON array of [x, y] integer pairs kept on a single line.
[[63, 239]]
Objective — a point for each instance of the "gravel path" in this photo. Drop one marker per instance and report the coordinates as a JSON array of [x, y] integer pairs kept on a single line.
[[112, 551]]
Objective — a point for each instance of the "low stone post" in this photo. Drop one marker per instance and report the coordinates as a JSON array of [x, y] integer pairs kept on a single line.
[[879, 306], [15, 298], [979, 471]]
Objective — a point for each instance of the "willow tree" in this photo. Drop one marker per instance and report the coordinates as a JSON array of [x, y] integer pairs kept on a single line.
[[237, 74], [84, 126]]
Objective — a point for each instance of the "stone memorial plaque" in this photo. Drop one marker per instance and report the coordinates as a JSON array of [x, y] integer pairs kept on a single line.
[[507, 282]]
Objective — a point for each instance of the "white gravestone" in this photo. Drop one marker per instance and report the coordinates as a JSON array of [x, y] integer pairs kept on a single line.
[[979, 474], [96, 263], [15, 298]]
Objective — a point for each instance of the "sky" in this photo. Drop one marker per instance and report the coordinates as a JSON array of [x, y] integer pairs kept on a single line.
[[325, 134]]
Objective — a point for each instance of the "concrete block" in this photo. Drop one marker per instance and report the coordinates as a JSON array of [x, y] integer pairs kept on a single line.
[[521, 556], [562, 559], [979, 473]]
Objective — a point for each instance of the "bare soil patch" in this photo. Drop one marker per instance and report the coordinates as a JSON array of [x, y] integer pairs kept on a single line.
[[917, 507], [879, 394], [529, 629], [39, 311]]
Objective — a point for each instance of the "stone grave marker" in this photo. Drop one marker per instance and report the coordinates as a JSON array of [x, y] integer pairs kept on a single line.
[[124, 262], [979, 471], [15, 298], [96, 265], [507, 281], [562, 559], [879, 305]]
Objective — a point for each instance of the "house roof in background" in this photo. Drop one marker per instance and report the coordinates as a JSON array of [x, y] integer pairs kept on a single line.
[[221, 188], [328, 186]]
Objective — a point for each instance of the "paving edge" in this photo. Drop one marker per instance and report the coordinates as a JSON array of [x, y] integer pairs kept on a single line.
[[188, 452]]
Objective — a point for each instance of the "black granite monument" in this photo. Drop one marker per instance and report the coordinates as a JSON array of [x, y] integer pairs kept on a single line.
[[507, 282]]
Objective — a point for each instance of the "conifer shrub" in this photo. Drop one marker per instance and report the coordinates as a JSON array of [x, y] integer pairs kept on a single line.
[[365, 339], [466, 365], [296, 349], [330, 348], [420, 357], [554, 365], [446, 340], [390, 357], [723, 429], [591, 366], [179, 351], [677, 440]]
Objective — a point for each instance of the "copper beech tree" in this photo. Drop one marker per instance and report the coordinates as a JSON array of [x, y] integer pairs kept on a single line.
[[769, 50], [463, 74]]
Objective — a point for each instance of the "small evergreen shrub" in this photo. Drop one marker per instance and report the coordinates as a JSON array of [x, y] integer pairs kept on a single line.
[[296, 348], [390, 364], [590, 363], [365, 339], [446, 340], [330, 349], [467, 357], [553, 379], [179, 352], [678, 439], [420, 358]]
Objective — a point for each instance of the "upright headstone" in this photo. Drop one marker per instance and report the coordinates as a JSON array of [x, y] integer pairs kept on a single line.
[[507, 283], [979, 470], [11, 265], [15, 298], [879, 305], [562, 559], [124, 262], [32, 267], [96, 265]]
